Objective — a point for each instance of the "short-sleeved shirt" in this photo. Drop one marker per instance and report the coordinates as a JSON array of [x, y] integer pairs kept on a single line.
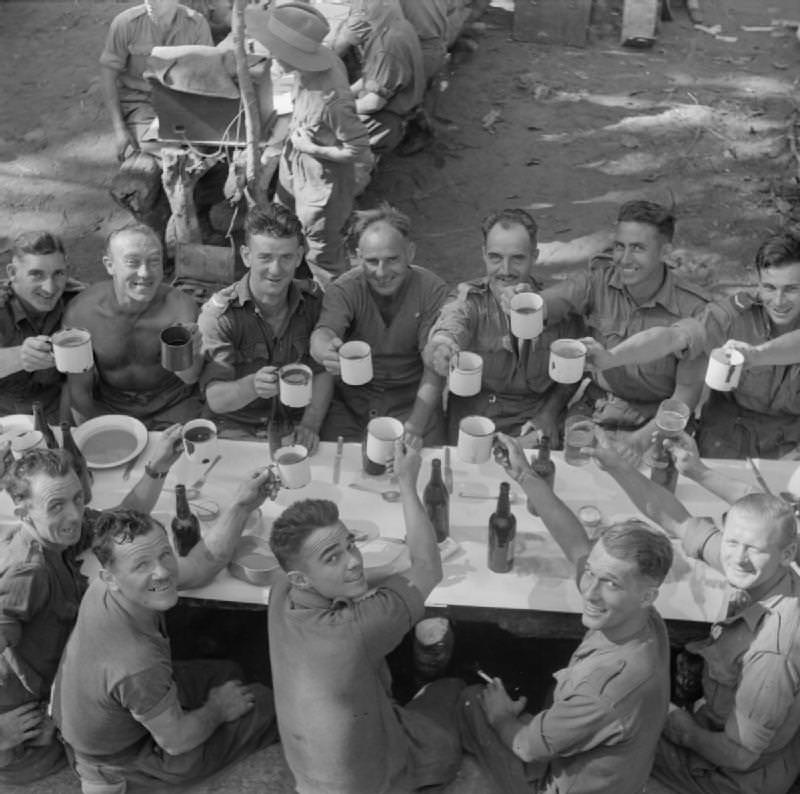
[[238, 340], [609, 707], [770, 390], [751, 674], [20, 389], [40, 590], [133, 35], [116, 674], [427, 17], [612, 315], [392, 67], [340, 731]]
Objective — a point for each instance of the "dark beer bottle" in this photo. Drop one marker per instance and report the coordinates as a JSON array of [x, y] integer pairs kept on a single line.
[[502, 531], [663, 469], [78, 460], [185, 526], [544, 468], [40, 424], [437, 501]]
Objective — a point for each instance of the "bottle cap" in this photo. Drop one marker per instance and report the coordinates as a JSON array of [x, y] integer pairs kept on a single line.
[[589, 515]]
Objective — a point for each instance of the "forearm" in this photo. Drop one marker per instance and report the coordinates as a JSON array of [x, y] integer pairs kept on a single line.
[[111, 96], [721, 485], [507, 728], [426, 562], [428, 394], [193, 728], [781, 351], [192, 374], [321, 394], [340, 153], [557, 398], [649, 345], [10, 360], [320, 343], [224, 396], [370, 103], [689, 378], [81, 399], [716, 747], [144, 495]]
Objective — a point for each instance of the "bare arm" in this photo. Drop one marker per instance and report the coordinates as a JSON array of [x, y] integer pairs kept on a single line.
[[428, 394], [35, 353], [646, 346], [144, 495], [80, 386], [307, 432], [224, 396], [370, 103], [781, 351], [323, 346], [123, 137]]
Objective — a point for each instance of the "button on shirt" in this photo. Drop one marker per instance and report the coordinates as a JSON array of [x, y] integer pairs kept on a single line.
[[238, 340], [613, 315]]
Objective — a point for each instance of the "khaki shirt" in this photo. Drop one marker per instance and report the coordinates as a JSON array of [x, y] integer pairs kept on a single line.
[[612, 315]]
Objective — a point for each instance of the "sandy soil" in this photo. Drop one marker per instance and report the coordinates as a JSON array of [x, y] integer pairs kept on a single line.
[[696, 119]]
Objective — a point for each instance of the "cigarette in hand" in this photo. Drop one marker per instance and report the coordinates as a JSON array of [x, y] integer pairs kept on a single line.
[[488, 679]]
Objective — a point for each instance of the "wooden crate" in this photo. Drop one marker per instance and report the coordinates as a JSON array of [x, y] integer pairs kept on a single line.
[[552, 21]]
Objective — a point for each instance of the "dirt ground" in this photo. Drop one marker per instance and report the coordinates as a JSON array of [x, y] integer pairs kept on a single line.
[[699, 120]]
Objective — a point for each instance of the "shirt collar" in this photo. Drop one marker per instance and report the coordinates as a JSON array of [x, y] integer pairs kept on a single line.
[[311, 599], [150, 622], [243, 295], [20, 314], [665, 295], [753, 613]]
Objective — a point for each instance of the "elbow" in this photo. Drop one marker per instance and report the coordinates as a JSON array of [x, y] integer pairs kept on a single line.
[[174, 746], [741, 759]]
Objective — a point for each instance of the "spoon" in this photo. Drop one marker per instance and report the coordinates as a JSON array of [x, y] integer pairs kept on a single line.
[[387, 496]]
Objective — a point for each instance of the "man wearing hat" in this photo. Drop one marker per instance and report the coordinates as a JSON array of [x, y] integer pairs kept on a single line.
[[316, 174]]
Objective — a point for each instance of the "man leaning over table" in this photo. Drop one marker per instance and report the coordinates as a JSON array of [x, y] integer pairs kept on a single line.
[[516, 388], [390, 303], [40, 589], [761, 417], [258, 324], [745, 737], [329, 633], [609, 704], [127, 713], [31, 309], [625, 293], [125, 316]]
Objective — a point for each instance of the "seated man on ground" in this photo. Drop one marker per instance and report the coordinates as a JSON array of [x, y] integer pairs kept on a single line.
[[610, 702], [391, 304], [761, 416], [39, 287], [516, 389], [745, 737], [329, 634], [259, 324], [125, 316], [40, 589], [618, 297], [127, 713]]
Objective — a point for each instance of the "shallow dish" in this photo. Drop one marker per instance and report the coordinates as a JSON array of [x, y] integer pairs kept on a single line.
[[253, 561], [111, 440]]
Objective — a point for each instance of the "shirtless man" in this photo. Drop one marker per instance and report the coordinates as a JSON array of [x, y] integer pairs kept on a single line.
[[125, 317]]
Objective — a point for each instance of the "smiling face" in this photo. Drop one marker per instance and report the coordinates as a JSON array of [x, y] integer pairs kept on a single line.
[[38, 280], [386, 256], [639, 251], [509, 254], [614, 594], [144, 571], [330, 563], [54, 508], [272, 262], [779, 290], [135, 263]]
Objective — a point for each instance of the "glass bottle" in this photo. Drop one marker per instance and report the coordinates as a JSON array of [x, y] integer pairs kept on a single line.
[[78, 460], [544, 468], [40, 424], [662, 470], [437, 501], [185, 526], [502, 531]]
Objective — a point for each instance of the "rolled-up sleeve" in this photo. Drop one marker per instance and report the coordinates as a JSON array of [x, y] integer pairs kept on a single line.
[[337, 310], [116, 50], [696, 532], [218, 348], [458, 317]]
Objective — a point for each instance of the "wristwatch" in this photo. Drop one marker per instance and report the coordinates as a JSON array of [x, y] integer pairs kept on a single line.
[[151, 472]]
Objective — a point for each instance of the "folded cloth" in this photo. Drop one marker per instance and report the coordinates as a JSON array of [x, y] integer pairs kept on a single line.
[[194, 69]]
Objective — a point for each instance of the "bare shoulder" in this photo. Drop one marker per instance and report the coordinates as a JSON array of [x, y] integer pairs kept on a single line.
[[178, 304], [89, 302]]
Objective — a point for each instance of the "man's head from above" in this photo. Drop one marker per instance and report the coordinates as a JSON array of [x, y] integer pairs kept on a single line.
[[509, 246], [138, 561], [778, 267], [642, 238], [38, 270], [134, 259], [380, 238], [759, 541], [273, 249], [47, 495], [317, 551], [621, 577]]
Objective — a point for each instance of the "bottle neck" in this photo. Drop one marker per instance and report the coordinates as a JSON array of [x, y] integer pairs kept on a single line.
[[181, 503], [436, 472], [503, 502]]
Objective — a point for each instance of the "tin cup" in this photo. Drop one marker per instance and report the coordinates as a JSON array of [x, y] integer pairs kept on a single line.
[[294, 382], [26, 441], [382, 432], [293, 465], [355, 363], [200, 441], [526, 315], [567, 360], [466, 371], [177, 347], [578, 433], [72, 350], [724, 369], [475, 437]]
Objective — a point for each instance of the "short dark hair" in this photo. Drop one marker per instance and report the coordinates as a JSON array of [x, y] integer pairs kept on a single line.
[[37, 243], [291, 528], [132, 228], [116, 526], [779, 249], [650, 213], [509, 217], [636, 541], [273, 220], [773, 510], [361, 220], [53, 462]]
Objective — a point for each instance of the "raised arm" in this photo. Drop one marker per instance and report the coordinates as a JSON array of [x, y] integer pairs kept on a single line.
[[166, 450], [429, 394], [324, 345], [781, 351]]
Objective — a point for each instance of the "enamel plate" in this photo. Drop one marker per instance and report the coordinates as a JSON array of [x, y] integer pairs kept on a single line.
[[108, 441]]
